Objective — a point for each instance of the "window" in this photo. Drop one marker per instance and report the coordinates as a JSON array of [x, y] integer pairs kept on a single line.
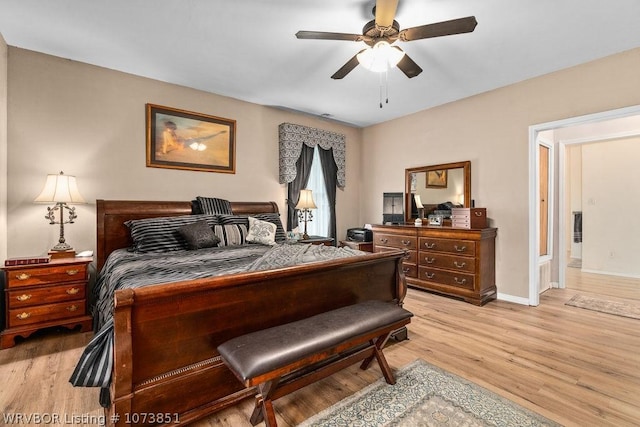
[[322, 215]]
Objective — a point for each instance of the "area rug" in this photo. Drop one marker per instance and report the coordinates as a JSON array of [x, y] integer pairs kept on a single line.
[[609, 305], [425, 395]]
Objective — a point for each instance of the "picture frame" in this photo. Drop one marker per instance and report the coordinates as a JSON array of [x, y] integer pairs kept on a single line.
[[179, 139], [437, 178], [435, 220]]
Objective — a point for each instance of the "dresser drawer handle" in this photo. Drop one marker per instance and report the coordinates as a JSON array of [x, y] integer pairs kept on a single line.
[[460, 282], [23, 297], [73, 291], [23, 276], [406, 269], [430, 246], [460, 249], [23, 315], [459, 265], [72, 272], [430, 275], [406, 242], [429, 260], [383, 240], [478, 213], [72, 307]]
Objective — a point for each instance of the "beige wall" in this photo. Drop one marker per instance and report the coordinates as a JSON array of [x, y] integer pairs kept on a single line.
[[90, 122], [491, 130], [3, 147]]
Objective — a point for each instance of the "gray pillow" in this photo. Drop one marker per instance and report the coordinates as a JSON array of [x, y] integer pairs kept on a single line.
[[199, 235]]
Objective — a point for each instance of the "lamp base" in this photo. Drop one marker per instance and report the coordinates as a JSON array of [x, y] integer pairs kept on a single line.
[[62, 254]]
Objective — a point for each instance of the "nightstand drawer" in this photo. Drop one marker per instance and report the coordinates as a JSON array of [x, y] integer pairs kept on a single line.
[[46, 295], [46, 313], [45, 275]]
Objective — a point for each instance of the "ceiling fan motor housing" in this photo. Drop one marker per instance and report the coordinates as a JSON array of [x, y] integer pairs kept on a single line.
[[374, 33]]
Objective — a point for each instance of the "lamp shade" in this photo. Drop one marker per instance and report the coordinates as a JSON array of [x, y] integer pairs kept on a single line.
[[306, 200], [60, 188], [419, 204]]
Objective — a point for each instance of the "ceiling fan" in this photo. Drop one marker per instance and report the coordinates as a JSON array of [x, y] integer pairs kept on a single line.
[[382, 32]]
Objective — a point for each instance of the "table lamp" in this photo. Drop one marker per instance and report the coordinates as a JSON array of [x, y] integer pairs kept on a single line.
[[62, 190], [304, 206]]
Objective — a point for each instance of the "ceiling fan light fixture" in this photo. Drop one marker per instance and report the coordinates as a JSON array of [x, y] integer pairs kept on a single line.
[[380, 57]]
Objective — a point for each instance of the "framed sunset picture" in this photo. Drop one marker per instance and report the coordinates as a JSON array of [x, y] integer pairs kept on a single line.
[[179, 139]]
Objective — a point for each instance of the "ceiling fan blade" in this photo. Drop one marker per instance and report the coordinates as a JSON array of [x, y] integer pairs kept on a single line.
[[347, 68], [385, 12], [408, 66], [321, 35], [444, 28]]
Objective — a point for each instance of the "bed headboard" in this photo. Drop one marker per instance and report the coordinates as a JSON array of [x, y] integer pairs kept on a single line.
[[112, 234]]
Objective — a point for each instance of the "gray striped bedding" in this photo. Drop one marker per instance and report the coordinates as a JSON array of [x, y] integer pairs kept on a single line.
[[124, 269]]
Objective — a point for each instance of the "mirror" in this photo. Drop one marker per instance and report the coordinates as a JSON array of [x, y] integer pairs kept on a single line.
[[437, 184]]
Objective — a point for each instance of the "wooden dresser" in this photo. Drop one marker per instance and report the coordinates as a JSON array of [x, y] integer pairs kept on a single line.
[[44, 295], [452, 261]]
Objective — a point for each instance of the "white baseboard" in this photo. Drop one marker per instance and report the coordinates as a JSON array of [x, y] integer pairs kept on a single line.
[[514, 299], [609, 273]]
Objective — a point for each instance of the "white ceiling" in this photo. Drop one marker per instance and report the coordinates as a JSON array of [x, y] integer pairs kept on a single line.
[[247, 49]]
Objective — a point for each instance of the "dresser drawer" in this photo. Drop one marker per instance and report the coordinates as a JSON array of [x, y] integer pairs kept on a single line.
[[396, 241], [46, 295], [450, 262], [459, 247], [45, 313], [46, 275], [460, 280]]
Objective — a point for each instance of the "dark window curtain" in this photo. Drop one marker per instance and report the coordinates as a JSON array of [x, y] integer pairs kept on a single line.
[[303, 170], [330, 172]]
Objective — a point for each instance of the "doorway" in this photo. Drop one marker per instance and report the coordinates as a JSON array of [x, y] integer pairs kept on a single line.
[[535, 259]]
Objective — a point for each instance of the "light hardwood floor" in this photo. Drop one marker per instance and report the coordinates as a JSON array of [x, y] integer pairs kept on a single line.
[[574, 366]]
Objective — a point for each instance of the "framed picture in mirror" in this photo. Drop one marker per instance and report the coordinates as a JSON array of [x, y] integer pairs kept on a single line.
[[437, 178], [435, 220]]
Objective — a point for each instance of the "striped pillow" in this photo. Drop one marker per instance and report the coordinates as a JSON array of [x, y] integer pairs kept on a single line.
[[213, 206], [231, 234], [161, 234]]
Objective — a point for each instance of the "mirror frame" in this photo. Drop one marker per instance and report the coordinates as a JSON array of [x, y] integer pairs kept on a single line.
[[466, 166]]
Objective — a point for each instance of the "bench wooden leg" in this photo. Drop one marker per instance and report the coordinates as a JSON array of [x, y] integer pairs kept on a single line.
[[263, 411], [382, 361]]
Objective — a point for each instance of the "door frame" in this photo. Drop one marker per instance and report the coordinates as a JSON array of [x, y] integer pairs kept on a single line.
[[534, 220]]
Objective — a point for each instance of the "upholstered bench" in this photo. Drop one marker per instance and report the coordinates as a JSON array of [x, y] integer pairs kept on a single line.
[[285, 358]]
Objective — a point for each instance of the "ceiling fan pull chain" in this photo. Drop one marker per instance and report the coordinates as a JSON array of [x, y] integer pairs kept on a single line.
[[380, 81], [386, 83]]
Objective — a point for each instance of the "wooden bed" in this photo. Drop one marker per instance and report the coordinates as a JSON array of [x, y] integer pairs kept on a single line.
[[165, 336]]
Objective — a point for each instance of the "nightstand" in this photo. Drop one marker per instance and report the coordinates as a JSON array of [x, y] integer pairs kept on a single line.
[[44, 295], [361, 246], [318, 240]]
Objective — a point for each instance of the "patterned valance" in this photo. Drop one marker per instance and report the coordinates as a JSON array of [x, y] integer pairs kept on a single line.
[[291, 139]]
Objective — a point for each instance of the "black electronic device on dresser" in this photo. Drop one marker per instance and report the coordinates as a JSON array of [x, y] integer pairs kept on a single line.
[[359, 235]]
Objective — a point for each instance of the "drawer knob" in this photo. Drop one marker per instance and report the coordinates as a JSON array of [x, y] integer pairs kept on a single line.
[[73, 291], [460, 249], [460, 282], [23, 276], [430, 275], [383, 240], [406, 270], [72, 272], [429, 260], [72, 307], [23, 297], [406, 242], [23, 315], [430, 245], [461, 265]]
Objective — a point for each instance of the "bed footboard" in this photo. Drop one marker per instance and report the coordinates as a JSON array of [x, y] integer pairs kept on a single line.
[[166, 366]]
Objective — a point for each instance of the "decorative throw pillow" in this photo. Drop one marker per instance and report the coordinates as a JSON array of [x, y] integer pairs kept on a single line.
[[273, 217], [230, 234], [198, 235], [214, 206], [261, 232], [161, 234]]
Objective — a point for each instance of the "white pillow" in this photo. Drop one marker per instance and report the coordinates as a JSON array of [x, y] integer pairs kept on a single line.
[[261, 232]]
